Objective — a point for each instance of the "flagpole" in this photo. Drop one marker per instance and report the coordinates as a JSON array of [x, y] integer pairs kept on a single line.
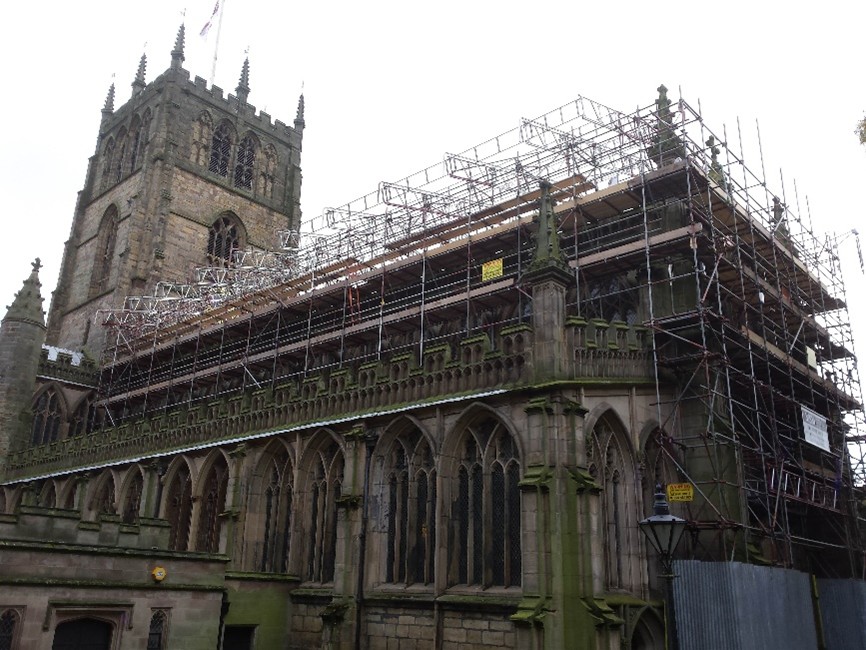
[[217, 43]]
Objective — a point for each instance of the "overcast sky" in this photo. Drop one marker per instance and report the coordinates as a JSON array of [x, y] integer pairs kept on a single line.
[[391, 86]]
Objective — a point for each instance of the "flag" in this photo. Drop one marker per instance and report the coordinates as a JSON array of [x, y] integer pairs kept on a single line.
[[207, 25]]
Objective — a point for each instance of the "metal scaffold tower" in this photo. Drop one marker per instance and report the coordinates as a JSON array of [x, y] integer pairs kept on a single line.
[[758, 399]]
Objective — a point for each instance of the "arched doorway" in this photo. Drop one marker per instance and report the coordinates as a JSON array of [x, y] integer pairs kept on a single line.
[[83, 634]]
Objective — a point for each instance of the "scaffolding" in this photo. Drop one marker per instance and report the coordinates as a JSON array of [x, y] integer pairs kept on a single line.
[[758, 399]]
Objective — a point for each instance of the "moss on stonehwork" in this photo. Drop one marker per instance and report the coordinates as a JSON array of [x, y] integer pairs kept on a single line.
[[266, 607], [602, 613], [536, 476], [531, 610], [584, 480], [515, 329]]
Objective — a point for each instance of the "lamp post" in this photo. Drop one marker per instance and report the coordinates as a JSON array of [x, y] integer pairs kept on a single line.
[[664, 531]]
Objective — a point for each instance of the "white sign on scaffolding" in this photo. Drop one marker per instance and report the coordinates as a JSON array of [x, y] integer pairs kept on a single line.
[[815, 428]]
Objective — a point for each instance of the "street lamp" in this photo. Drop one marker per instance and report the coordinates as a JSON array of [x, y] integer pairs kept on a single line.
[[663, 531]]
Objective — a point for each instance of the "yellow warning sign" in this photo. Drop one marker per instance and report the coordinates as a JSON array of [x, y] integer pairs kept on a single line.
[[491, 270], [681, 492]]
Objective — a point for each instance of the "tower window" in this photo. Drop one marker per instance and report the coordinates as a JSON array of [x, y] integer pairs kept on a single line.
[[156, 634], [213, 502], [244, 163], [178, 509], [223, 240], [221, 149], [105, 244]]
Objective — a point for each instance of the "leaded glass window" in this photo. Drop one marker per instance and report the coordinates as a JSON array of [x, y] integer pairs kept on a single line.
[[221, 150], [9, 621], [277, 522], [244, 161], [212, 505], [156, 634], [178, 509], [325, 487], [223, 241], [47, 417], [486, 510]]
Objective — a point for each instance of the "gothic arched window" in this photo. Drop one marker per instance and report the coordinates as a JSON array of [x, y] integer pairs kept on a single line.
[[132, 499], [610, 463], [411, 511], [178, 509], [106, 242], [156, 634], [47, 417], [223, 240], [213, 501], [103, 500], [85, 419], [276, 536], [9, 624], [486, 511], [221, 150], [325, 485], [48, 497], [244, 161]]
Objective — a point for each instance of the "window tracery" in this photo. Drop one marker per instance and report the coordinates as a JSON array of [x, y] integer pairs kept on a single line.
[[47, 417], [103, 500], [156, 634], [276, 537], [221, 150], [106, 241], [325, 486], [411, 510], [213, 501], [10, 621], [178, 508], [107, 163], [132, 500], [486, 510], [224, 238], [610, 464], [244, 162]]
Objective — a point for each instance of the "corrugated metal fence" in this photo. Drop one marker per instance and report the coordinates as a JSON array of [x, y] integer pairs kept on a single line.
[[732, 606], [843, 613]]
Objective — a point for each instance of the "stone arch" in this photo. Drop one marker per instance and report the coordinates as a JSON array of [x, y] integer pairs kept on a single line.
[[403, 496], [103, 256], [610, 458], [103, 498], [67, 493], [48, 494], [319, 487], [245, 161], [226, 235], [222, 144], [483, 472], [10, 627], [177, 503], [647, 632], [50, 414], [131, 492], [97, 633], [269, 512], [135, 144], [211, 489]]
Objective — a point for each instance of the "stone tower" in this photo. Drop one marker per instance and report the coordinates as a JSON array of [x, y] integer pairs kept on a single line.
[[21, 335], [181, 177]]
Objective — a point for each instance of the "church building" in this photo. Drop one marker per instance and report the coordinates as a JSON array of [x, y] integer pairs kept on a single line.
[[439, 416]]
